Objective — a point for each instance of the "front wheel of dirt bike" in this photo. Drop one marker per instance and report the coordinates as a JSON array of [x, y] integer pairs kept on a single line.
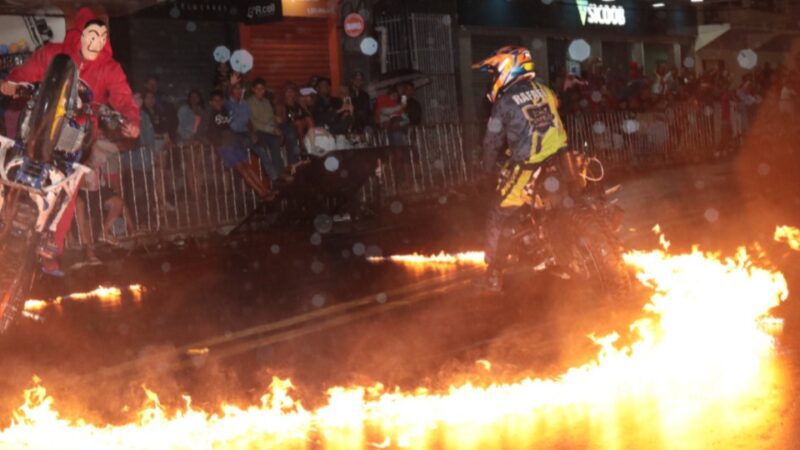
[[587, 251], [18, 265]]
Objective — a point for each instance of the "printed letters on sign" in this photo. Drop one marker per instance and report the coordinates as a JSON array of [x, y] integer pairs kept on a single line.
[[606, 14], [595, 14]]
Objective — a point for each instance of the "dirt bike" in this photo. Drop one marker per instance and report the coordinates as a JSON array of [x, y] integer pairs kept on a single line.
[[40, 172], [570, 225]]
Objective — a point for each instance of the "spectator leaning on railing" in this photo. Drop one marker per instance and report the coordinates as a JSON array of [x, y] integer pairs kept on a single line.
[[100, 194], [165, 106], [270, 134], [413, 107], [362, 108], [391, 115], [216, 129], [242, 126], [189, 116], [331, 112]]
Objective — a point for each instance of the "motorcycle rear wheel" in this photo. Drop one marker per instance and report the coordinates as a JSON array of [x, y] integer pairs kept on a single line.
[[588, 251]]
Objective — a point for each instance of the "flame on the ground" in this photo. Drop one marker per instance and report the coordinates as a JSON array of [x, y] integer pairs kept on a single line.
[[789, 235], [137, 290], [442, 260], [662, 240], [107, 296], [700, 369], [35, 305]]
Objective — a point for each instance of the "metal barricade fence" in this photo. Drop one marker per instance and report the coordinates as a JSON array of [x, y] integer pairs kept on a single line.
[[674, 135], [185, 189], [180, 190], [427, 159]]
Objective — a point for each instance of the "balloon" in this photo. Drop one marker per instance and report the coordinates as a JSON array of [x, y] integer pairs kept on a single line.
[[241, 61], [222, 54]]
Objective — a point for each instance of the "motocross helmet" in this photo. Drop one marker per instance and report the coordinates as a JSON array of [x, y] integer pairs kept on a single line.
[[508, 64]]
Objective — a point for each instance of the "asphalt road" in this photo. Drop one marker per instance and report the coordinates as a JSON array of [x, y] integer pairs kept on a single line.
[[221, 316]]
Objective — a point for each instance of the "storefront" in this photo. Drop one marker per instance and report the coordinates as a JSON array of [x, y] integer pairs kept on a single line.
[[290, 40], [303, 44], [617, 32]]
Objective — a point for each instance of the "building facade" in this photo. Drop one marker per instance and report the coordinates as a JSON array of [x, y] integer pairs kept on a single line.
[[769, 28], [617, 32]]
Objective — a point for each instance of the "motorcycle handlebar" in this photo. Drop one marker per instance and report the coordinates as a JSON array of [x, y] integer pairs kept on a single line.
[[112, 118], [25, 91]]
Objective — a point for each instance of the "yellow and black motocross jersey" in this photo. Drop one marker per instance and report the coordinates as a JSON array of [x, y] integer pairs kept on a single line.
[[524, 120]]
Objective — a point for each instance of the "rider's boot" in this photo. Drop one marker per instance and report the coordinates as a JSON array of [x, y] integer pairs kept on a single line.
[[48, 252], [52, 268], [493, 282]]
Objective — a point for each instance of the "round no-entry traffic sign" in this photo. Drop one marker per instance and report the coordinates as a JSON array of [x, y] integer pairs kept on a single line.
[[354, 25]]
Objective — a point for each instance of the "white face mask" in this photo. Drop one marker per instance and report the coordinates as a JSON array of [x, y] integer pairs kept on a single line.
[[93, 40]]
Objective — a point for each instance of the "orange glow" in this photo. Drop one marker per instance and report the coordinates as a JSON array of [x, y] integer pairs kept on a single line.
[[662, 240], [34, 306], [789, 235], [700, 372], [137, 290], [111, 296], [107, 296], [441, 261]]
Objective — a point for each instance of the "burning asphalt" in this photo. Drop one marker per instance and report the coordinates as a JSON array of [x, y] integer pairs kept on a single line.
[[220, 350]]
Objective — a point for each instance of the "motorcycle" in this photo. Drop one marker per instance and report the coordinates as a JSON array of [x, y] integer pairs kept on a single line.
[[570, 226], [40, 173]]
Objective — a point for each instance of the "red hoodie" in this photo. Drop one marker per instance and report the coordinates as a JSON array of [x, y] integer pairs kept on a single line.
[[104, 76]]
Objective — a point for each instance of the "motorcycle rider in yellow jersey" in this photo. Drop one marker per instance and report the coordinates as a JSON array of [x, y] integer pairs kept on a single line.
[[525, 124]]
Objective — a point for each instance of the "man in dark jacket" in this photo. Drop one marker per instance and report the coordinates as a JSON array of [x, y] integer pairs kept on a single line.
[[329, 111], [362, 107], [525, 121]]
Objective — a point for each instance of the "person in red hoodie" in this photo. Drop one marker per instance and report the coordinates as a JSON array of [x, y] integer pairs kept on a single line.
[[87, 43]]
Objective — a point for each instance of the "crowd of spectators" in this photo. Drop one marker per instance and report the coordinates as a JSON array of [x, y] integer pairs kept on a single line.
[[271, 121], [601, 90], [237, 118]]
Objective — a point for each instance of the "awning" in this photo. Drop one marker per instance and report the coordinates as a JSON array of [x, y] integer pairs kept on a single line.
[[707, 34], [737, 36]]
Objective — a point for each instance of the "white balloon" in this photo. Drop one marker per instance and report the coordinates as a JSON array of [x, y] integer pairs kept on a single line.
[[747, 59], [222, 54], [688, 62], [369, 46], [579, 50], [241, 61]]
